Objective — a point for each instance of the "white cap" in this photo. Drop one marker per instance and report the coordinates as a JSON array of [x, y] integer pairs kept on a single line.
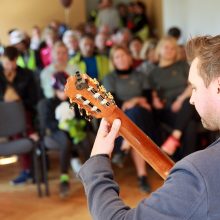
[[16, 37], [70, 33]]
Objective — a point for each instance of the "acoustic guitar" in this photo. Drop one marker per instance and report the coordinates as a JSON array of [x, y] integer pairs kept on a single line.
[[94, 101]]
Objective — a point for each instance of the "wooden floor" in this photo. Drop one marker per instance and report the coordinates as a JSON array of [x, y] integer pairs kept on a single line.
[[22, 202]]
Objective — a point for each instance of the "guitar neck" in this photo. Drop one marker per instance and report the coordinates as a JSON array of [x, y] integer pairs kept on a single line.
[[151, 153]]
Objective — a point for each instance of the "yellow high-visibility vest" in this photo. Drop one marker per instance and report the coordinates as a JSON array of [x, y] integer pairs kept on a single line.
[[31, 64]]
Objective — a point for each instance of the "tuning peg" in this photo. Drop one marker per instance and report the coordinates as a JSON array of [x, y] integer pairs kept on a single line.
[[81, 112], [88, 118], [95, 81], [113, 102], [71, 105], [109, 95], [102, 89]]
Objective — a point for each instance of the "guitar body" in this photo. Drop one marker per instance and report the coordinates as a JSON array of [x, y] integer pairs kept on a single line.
[[96, 102]]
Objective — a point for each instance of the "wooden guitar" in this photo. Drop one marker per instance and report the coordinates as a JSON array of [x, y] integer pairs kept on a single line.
[[94, 101]]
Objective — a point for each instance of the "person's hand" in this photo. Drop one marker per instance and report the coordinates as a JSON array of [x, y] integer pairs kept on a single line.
[[176, 106], [129, 104], [157, 102], [34, 136], [144, 103], [104, 142], [141, 101]]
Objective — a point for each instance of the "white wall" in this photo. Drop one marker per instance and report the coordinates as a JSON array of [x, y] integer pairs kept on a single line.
[[193, 17]]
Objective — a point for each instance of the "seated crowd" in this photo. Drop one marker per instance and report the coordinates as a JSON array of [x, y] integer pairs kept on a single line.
[[147, 77]]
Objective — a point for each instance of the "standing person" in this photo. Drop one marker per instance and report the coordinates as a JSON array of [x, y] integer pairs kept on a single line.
[[108, 15], [123, 13], [191, 190], [139, 24]]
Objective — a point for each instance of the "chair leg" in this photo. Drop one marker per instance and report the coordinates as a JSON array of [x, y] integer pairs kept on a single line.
[[36, 172], [44, 169]]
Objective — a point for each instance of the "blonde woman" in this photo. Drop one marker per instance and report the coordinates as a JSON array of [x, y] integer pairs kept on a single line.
[[171, 97]]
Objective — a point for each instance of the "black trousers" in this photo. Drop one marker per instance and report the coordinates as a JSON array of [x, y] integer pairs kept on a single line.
[[59, 140], [183, 120]]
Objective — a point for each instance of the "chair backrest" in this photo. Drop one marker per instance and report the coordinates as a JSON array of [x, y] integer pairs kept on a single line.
[[12, 118]]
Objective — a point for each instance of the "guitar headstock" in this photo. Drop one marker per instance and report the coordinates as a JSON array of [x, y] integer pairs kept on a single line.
[[90, 97]]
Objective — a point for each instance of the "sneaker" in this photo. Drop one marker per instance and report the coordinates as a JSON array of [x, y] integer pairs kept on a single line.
[[64, 186], [143, 184], [24, 177], [170, 145], [76, 165]]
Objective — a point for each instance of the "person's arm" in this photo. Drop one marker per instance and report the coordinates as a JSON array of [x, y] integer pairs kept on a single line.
[[25, 86], [183, 196], [144, 100], [177, 104], [45, 81], [49, 115], [136, 101], [185, 94]]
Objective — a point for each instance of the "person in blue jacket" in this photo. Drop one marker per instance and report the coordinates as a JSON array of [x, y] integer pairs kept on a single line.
[[191, 191]]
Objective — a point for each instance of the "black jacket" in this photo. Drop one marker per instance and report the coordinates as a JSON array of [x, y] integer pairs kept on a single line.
[[24, 84]]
